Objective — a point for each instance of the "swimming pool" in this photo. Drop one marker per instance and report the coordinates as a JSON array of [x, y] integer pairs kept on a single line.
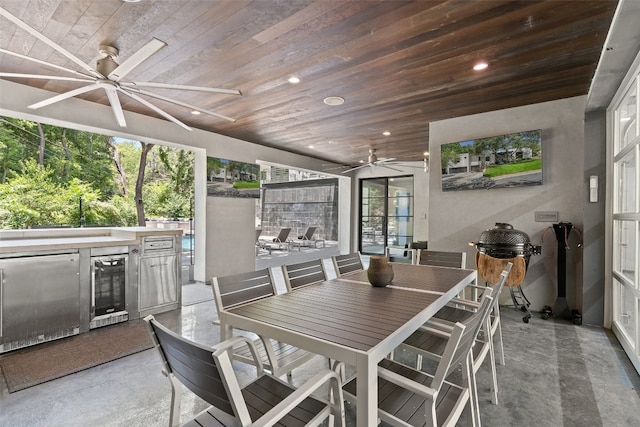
[[187, 242]]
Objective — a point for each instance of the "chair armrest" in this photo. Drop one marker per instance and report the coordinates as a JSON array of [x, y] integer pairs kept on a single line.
[[294, 399], [228, 344], [441, 325], [407, 384], [440, 330], [465, 302]]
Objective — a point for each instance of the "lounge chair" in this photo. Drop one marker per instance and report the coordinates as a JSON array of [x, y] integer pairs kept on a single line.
[[258, 233], [307, 238], [281, 242]]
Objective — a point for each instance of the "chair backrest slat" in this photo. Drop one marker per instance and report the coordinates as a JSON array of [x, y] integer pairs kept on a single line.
[[303, 274], [308, 235], [347, 263], [192, 364], [442, 258], [233, 290], [283, 235]]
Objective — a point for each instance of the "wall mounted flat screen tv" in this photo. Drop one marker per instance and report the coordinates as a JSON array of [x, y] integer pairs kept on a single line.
[[503, 161]]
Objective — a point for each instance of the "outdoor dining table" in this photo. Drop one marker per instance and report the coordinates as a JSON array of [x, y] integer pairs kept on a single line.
[[348, 320]]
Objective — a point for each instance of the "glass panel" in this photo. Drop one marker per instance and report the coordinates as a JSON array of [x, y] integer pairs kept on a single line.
[[628, 118], [624, 246], [627, 317], [400, 211], [386, 210], [373, 214], [626, 191], [400, 230]]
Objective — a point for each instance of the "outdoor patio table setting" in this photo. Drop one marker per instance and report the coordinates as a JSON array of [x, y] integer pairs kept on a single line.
[[348, 320]]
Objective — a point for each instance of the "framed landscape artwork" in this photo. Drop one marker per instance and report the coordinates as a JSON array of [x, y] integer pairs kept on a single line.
[[503, 161], [228, 178]]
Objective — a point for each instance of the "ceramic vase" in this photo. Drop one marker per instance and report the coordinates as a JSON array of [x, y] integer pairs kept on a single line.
[[380, 272]]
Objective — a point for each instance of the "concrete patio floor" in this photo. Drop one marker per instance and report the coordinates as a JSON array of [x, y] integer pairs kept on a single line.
[[556, 374]]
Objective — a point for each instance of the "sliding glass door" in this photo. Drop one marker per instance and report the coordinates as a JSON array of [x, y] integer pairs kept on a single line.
[[625, 214], [386, 213]]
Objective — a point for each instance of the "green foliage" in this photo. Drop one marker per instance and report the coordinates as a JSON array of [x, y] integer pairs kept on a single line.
[[246, 184], [78, 168], [515, 167], [34, 198], [162, 202]]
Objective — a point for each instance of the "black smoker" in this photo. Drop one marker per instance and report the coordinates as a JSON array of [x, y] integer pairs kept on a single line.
[[502, 241], [561, 307]]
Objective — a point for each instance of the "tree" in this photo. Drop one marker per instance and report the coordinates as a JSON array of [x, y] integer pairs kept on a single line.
[[140, 182], [122, 175]]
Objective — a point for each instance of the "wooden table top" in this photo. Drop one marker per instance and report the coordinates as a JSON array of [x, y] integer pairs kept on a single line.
[[341, 312], [422, 277]]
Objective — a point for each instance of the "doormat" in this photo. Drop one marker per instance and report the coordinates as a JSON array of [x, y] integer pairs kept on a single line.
[[45, 362]]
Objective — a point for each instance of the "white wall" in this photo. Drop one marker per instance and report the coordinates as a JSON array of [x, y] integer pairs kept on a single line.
[[458, 217]]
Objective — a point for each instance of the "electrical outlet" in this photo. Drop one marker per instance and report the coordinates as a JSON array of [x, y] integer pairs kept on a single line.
[[546, 216]]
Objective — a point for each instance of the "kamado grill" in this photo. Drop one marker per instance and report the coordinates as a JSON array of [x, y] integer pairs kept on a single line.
[[496, 247]]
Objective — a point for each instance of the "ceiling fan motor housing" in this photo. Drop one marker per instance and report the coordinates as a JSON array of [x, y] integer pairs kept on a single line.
[[106, 65]]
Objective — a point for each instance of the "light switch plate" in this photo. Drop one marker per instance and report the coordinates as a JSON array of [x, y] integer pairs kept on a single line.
[[546, 216]]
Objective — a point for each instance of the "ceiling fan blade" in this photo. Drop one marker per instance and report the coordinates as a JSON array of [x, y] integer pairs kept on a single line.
[[63, 96], [389, 167], [116, 106], [136, 59], [40, 76], [182, 104], [356, 168], [182, 87], [154, 108], [49, 42], [383, 160], [48, 64]]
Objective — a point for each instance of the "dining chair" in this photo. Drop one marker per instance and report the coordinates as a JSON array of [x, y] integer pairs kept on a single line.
[[299, 275], [230, 291], [265, 400], [347, 263], [303, 274], [400, 254], [407, 396], [427, 344], [455, 313], [441, 258]]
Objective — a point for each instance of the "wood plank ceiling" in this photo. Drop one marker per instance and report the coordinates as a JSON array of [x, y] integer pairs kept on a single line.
[[398, 64]]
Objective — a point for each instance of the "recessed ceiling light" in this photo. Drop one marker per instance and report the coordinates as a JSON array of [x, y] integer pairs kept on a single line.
[[332, 142], [426, 153], [386, 133], [195, 112], [294, 80], [334, 100], [311, 146], [480, 66], [361, 161], [131, 1]]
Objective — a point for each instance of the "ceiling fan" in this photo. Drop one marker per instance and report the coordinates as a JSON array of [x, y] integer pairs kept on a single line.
[[109, 76], [373, 161]]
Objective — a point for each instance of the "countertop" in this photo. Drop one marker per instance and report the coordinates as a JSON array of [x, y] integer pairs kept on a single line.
[[14, 241]]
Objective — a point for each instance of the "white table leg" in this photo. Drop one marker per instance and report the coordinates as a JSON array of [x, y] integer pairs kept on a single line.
[[367, 392]]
